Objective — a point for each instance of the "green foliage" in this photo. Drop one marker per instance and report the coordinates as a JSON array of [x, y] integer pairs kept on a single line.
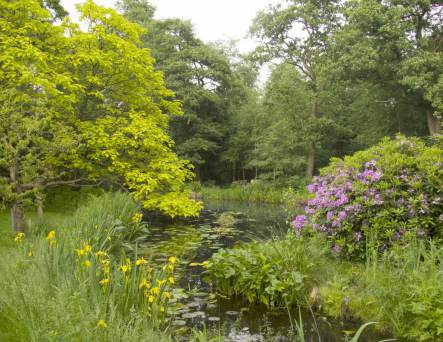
[[276, 273], [250, 193], [85, 107], [57, 287], [400, 289], [388, 194]]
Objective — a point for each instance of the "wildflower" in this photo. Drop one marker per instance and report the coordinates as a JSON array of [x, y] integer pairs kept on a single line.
[[172, 260], [100, 254], [151, 298], [102, 324], [155, 291], [124, 268], [30, 254], [358, 236], [51, 237], [145, 284], [167, 295], [87, 248], [171, 280], [137, 218], [80, 252], [140, 262], [162, 309], [171, 268], [87, 264], [19, 237], [104, 282], [299, 222]]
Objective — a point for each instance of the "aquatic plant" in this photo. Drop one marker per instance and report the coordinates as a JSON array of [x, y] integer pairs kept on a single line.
[[390, 193], [273, 273]]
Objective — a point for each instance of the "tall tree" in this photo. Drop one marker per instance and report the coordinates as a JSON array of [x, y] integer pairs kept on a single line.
[[297, 32], [396, 45], [200, 75], [84, 106]]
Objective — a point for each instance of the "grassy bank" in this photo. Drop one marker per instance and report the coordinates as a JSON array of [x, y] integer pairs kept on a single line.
[[400, 289], [63, 282], [265, 193]]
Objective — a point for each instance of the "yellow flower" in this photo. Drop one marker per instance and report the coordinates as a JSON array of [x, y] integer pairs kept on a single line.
[[100, 254], [87, 248], [124, 268], [160, 282], [162, 309], [145, 284], [171, 268], [87, 264], [155, 291], [104, 282], [137, 218], [151, 298], [102, 324], [167, 295], [171, 280], [140, 261], [80, 252], [19, 237], [172, 260], [30, 254], [51, 237]]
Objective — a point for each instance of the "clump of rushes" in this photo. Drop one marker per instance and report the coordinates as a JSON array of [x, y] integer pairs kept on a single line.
[[66, 284], [391, 193]]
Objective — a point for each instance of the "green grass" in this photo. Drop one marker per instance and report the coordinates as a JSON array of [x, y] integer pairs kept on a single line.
[[265, 193], [52, 294], [401, 289]]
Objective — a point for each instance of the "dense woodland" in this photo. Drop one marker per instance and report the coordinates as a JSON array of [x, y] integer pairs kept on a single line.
[[344, 75]]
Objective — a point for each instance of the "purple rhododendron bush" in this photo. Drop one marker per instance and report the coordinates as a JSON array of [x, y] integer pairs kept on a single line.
[[388, 194]]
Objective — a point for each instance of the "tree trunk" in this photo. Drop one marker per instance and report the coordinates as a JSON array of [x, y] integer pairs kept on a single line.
[[311, 161], [18, 221], [39, 205], [433, 123], [311, 153]]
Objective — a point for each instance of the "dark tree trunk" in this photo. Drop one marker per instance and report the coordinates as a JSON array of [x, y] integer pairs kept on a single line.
[[311, 162], [18, 221], [39, 205], [433, 123]]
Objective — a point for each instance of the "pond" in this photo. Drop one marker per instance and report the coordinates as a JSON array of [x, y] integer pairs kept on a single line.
[[223, 225]]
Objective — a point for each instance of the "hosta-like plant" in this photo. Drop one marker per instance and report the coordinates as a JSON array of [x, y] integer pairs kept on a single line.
[[388, 194]]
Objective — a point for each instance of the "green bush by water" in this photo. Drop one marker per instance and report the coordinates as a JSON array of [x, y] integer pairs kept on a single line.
[[274, 273]]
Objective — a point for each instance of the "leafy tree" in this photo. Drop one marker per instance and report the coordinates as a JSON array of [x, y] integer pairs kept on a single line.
[[298, 34], [34, 101], [201, 76], [84, 106], [397, 46]]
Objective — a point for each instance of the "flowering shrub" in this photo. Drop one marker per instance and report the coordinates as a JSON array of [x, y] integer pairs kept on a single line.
[[389, 193]]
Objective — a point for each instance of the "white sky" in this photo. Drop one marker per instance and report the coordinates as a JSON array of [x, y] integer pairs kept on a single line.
[[213, 20]]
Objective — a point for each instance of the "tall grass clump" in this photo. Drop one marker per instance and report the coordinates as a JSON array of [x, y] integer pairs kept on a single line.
[[401, 289], [64, 283], [259, 192]]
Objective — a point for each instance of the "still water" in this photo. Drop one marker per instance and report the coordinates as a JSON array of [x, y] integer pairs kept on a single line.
[[224, 225]]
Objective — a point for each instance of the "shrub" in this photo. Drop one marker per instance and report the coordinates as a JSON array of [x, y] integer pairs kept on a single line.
[[275, 273], [389, 193]]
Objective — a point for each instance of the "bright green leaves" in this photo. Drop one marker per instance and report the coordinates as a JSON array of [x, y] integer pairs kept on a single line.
[[85, 106]]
